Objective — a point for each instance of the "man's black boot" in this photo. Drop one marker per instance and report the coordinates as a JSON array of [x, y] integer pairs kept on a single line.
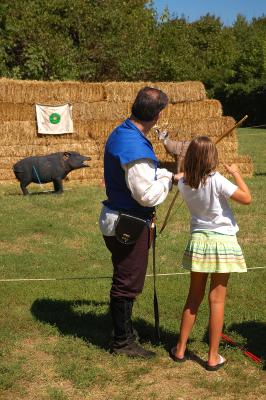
[[124, 337]]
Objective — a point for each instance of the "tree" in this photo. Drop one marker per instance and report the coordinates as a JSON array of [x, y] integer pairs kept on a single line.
[[119, 40], [245, 93], [214, 48], [34, 49], [175, 60]]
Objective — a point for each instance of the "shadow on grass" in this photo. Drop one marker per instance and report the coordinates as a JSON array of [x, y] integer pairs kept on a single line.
[[254, 334], [45, 192], [260, 174], [94, 324]]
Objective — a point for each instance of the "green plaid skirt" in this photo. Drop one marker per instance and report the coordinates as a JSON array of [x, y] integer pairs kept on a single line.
[[212, 252]]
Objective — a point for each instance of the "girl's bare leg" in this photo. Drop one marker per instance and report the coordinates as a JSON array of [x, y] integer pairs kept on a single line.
[[198, 282], [217, 295]]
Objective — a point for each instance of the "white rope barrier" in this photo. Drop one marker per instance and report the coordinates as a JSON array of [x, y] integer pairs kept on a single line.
[[93, 277]]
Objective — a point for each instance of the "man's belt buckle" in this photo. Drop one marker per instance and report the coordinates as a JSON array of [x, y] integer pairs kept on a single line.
[[125, 237]]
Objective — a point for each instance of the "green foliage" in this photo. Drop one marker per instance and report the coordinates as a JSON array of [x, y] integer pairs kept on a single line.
[[175, 51], [104, 40], [250, 62], [214, 52]]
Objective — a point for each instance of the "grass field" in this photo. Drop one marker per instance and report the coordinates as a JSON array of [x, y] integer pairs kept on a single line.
[[54, 334]]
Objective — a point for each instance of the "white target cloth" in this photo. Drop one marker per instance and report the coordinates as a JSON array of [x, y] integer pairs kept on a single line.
[[54, 120]]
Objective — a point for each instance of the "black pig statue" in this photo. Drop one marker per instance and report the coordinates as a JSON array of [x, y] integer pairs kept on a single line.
[[50, 168]]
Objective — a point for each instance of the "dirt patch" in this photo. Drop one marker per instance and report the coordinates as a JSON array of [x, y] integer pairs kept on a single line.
[[39, 372], [22, 244], [74, 244], [164, 380], [169, 381]]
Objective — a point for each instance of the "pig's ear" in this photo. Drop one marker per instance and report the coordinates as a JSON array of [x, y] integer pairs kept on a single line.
[[66, 155]]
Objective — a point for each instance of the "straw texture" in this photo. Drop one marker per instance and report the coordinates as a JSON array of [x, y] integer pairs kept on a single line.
[[97, 109]]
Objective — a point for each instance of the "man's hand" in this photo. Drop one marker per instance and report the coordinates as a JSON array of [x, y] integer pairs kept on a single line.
[[176, 177]]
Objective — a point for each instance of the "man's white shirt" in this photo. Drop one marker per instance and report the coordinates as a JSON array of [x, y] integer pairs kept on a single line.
[[148, 186]]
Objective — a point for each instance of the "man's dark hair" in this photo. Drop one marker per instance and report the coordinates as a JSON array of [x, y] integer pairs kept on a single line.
[[148, 103]]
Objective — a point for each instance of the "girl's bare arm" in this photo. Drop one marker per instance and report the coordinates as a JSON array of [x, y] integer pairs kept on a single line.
[[242, 194]]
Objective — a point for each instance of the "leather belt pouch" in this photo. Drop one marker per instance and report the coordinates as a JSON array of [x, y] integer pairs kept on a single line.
[[129, 228]]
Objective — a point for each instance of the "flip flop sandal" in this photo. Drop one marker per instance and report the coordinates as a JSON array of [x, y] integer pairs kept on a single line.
[[176, 359], [217, 366]]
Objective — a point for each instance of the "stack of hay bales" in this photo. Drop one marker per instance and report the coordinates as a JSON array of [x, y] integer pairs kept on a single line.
[[97, 109]]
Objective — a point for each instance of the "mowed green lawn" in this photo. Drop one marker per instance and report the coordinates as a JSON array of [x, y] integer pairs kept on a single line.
[[54, 334]]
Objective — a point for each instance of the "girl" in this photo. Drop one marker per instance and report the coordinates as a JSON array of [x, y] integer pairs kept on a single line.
[[213, 247]]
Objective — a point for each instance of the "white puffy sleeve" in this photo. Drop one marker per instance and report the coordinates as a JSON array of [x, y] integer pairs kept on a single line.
[[148, 186]]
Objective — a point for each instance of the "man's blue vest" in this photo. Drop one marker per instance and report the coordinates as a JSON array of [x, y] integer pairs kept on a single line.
[[125, 144]]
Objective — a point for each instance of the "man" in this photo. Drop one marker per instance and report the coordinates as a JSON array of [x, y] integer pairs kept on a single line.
[[134, 185]]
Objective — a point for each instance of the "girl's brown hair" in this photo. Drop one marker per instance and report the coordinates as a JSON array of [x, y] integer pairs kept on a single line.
[[201, 160]]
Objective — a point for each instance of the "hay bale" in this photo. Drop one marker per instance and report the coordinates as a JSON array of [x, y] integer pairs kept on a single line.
[[15, 112], [12, 132], [32, 92], [187, 128], [6, 175], [97, 109], [195, 109], [96, 129], [26, 132], [86, 174], [176, 91], [243, 162], [83, 130], [40, 150], [101, 111], [183, 91], [123, 91]]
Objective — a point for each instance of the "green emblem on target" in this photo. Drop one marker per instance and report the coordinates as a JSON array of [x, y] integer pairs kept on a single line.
[[55, 118]]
